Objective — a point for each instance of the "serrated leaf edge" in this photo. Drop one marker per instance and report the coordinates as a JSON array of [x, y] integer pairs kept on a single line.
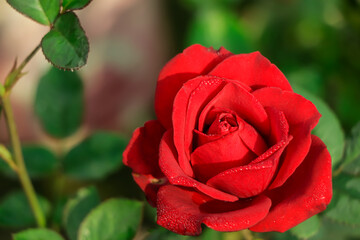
[[72, 9], [88, 43]]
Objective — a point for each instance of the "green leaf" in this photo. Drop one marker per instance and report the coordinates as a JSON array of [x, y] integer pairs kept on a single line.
[[74, 4], [39, 161], [66, 45], [115, 219], [15, 210], [345, 205], [283, 236], [352, 152], [328, 128], [95, 157], [42, 11], [331, 230], [59, 102], [77, 208], [209, 234], [217, 27], [307, 228], [162, 233], [58, 212], [37, 234]]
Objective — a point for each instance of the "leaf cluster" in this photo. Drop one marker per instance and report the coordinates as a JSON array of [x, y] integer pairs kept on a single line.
[[65, 45]]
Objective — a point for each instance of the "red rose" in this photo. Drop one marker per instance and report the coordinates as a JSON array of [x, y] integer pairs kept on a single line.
[[232, 147]]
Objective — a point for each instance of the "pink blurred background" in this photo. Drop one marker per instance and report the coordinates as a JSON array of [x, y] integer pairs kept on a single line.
[[129, 43]]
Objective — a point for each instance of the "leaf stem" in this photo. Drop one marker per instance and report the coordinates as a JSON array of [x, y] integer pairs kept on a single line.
[[6, 156], [16, 72], [19, 160]]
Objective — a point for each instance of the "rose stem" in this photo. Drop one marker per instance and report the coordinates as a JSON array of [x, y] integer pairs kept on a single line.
[[24, 178]]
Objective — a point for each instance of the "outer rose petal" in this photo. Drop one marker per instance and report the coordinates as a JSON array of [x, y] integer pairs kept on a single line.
[[176, 175], [302, 116], [252, 69], [182, 211], [142, 152], [194, 61], [307, 192]]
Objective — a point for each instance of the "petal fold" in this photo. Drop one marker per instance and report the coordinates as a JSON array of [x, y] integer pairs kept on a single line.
[[194, 61], [253, 70], [183, 211], [307, 192], [302, 116], [188, 104], [252, 179], [175, 175], [142, 152], [219, 155]]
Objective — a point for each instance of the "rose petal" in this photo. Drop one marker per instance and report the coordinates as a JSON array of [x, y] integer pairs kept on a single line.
[[307, 192], [302, 116], [279, 127], [252, 139], [237, 99], [194, 61], [219, 155], [142, 152], [207, 120], [189, 102], [150, 186], [176, 175], [250, 180], [202, 138], [252, 69], [183, 211]]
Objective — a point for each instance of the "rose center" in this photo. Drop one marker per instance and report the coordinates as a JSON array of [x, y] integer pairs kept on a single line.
[[223, 123]]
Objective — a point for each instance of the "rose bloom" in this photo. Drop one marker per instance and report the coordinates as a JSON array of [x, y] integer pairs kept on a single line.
[[231, 147]]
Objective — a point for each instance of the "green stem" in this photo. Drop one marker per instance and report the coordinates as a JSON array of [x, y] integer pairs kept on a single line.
[[16, 72], [19, 160], [247, 234], [6, 156]]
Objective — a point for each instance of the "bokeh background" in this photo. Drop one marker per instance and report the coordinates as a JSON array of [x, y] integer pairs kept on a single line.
[[315, 43]]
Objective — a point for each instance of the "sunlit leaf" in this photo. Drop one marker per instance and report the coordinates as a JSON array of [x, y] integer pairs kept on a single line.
[[37, 234], [307, 228], [66, 45], [42, 11], [77, 208], [116, 219], [75, 4]]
